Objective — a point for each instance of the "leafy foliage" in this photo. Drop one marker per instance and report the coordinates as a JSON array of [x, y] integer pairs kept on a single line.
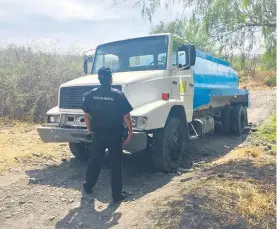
[[270, 81], [268, 60], [237, 21], [233, 24], [192, 31]]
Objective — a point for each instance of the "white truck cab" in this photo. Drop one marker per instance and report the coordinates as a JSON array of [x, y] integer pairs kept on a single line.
[[156, 75]]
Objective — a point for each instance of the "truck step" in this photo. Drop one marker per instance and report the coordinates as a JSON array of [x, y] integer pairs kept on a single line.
[[193, 138], [192, 132], [250, 124]]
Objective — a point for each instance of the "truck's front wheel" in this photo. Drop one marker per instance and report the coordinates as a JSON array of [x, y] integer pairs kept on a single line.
[[167, 145], [79, 150]]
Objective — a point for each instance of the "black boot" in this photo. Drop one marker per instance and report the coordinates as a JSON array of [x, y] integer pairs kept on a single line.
[[87, 188], [120, 198]]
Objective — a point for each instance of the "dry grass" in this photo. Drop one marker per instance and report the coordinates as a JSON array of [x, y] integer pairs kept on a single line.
[[236, 201], [219, 203], [256, 205], [20, 145], [239, 154], [258, 80], [237, 191]]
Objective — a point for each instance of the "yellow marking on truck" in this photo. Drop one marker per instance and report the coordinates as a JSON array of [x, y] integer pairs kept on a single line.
[[183, 86]]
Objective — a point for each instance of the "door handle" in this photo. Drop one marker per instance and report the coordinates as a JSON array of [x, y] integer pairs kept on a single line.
[[191, 84]]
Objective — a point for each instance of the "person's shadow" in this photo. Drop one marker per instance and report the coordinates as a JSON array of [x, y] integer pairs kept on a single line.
[[88, 216]]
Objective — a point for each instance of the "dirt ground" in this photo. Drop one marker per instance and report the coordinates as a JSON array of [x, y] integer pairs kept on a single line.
[[224, 182]]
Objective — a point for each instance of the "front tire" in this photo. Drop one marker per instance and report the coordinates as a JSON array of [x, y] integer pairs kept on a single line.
[[167, 145], [80, 151]]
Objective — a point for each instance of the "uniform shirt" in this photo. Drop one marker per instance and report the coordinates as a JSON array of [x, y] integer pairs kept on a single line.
[[107, 107]]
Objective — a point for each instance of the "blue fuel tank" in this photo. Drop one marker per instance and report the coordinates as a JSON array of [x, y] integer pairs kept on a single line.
[[213, 78]]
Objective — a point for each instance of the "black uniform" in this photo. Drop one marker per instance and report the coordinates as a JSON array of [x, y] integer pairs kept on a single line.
[[107, 107]]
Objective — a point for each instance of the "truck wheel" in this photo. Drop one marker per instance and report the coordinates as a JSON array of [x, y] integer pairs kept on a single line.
[[246, 116], [239, 119], [167, 145], [225, 126], [79, 150]]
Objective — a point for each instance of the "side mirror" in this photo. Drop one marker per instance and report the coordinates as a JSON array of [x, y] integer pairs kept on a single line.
[[85, 65], [88, 58], [192, 55]]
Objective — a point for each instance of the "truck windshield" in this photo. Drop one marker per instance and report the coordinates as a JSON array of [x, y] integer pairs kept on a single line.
[[139, 54]]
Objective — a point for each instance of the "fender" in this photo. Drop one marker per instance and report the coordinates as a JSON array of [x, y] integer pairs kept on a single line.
[[53, 111], [156, 112]]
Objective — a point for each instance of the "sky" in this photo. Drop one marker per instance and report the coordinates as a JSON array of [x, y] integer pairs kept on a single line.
[[82, 24]]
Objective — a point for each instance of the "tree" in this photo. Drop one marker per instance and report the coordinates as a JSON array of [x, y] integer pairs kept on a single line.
[[234, 24], [192, 31]]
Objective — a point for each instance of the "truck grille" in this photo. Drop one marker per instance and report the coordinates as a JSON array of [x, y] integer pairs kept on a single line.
[[72, 97]]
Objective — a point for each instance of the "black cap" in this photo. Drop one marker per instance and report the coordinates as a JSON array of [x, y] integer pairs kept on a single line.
[[104, 75]]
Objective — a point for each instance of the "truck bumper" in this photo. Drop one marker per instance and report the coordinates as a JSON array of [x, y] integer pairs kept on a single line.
[[138, 141]]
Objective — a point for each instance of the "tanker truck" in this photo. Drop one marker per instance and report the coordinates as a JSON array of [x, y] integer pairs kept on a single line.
[[178, 93]]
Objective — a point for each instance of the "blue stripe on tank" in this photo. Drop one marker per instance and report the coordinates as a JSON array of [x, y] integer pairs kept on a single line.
[[213, 77]]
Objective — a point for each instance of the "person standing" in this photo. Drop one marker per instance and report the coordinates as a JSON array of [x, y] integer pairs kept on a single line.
[[105, 111]]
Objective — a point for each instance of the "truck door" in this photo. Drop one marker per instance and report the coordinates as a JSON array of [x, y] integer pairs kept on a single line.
[[182, 82]]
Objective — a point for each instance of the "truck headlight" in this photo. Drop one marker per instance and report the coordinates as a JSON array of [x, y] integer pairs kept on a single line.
[[139, 122], [53, 119]]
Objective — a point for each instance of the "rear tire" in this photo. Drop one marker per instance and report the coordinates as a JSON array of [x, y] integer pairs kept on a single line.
[[225, 121], [167, 145], [239, 120], [80, 151], [246, 116]]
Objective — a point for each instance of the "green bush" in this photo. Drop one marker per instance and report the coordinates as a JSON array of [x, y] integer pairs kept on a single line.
[[30, 79], [270, 81], [267, 131]]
